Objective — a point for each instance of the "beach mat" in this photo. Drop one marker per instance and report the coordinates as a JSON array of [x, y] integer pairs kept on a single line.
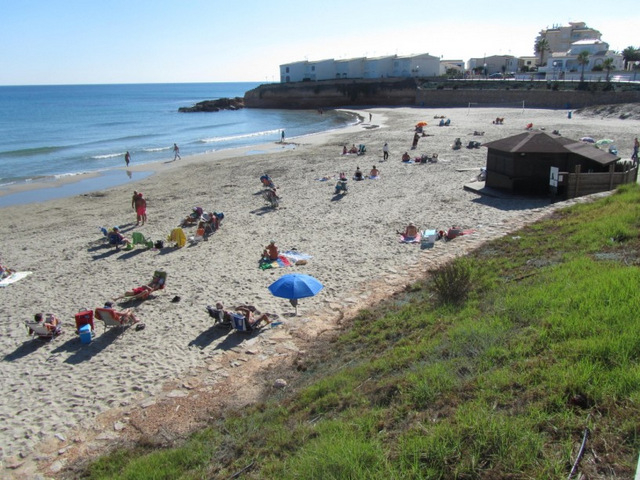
[[285, 259], [415, 239], [13, 278]]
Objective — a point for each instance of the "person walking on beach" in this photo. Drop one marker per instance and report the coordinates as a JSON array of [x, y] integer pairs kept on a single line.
[[385, 151], [176, 152], [282, 137], [141, 209], [127, 158]]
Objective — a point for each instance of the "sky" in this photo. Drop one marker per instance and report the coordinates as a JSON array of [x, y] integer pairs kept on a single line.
[[50, 42]]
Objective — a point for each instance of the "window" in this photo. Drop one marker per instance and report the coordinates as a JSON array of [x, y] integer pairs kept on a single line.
[[287, 70]]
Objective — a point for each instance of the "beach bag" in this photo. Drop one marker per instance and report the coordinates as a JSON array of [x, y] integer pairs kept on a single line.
[[159, 244]]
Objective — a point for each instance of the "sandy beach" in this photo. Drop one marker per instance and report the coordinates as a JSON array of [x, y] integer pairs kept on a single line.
[[64, 399]]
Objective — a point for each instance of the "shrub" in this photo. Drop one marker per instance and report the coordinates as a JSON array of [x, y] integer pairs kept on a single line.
[[452, 282]]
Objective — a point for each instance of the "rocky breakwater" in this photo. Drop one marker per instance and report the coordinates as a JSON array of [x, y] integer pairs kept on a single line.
[[215, 105]]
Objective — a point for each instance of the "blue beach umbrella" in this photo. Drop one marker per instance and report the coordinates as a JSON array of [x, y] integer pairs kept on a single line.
[[294, 286]]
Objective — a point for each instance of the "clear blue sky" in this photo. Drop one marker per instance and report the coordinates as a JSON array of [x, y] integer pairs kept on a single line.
[[157, 41]]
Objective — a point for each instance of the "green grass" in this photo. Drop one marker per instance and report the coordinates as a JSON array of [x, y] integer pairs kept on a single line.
[[542, 341]]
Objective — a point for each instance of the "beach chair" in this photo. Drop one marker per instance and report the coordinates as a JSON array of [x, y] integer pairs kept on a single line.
[[138, 238], [239, 324], [362, 149], [111, 318], [177, 237], [84, 317], [157, 283], [45, 329], [116, 239]]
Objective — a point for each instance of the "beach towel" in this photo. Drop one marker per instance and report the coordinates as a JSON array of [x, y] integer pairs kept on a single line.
[[415, 239], [295, 256], [13, 278], [285, 259]]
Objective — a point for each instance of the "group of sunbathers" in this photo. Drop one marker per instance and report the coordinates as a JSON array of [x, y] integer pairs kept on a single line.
[[207, 222], [412, 231], [359, 150]]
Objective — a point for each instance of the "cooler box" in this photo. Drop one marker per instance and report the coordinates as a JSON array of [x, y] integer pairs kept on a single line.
[[85, 333], [428, 238]]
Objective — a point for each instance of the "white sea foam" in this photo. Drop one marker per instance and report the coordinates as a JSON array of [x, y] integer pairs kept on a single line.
[[108, 155], [236, 137], [156, 149]]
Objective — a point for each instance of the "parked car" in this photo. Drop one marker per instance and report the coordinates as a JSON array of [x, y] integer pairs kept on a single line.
[[496, 75]]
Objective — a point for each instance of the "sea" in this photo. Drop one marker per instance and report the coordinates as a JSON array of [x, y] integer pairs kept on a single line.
[[51, 132]]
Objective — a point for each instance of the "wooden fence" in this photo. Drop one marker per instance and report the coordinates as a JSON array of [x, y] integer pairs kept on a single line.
[[577, 184]]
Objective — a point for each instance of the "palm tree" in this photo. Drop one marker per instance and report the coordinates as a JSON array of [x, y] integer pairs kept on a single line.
[[541, 46], [607, 65], [583, 61], [630, 54]]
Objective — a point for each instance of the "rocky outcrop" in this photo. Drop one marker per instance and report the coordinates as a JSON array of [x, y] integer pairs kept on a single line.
[[333, 93], [215, 105]]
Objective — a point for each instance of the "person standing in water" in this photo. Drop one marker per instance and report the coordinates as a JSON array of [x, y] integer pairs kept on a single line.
[[127, 158]]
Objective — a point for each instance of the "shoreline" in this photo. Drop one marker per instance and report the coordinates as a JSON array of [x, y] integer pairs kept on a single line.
[[122, 384], [64, 186]]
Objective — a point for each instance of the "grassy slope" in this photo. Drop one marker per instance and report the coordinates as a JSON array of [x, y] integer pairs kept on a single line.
[[501, 385]]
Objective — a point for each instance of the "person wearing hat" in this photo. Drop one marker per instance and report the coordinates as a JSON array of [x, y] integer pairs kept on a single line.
[[270, 251], [410, 231]]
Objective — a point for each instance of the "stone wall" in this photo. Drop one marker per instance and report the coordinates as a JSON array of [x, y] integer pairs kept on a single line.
[[569, 99], [405, 92]]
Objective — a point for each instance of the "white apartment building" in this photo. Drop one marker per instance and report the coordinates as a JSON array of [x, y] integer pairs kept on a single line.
[[562, 62], [560, 38], [392, 66]]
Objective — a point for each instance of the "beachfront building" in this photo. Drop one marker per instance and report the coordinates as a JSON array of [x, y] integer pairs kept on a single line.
[[561, 38], [561, 63], [452, 66], [486, 66], [307, 71], [350, 68], [293, 72], [391, 66], [424, 65], [378, 67], [527, 63]]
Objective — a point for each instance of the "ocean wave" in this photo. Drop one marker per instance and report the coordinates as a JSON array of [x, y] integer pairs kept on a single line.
[[156, 149], [107, 155], [30, 152], [237, 137]]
